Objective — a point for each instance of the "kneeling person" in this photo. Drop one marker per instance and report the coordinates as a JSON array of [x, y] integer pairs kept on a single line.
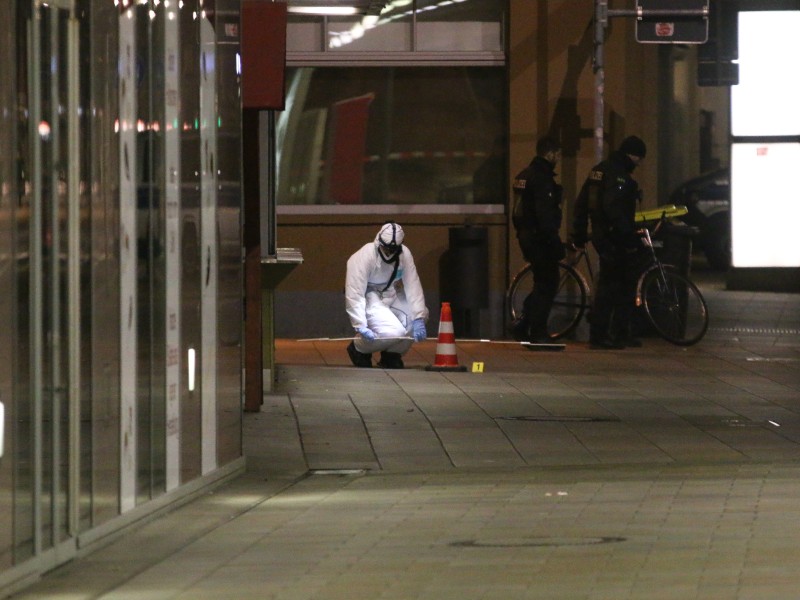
[[384, 300]]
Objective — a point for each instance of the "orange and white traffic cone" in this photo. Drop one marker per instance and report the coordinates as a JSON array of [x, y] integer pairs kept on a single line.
[[446, 359]]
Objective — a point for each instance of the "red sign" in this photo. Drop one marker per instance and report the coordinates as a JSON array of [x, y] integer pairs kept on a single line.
[[665, 29], [672, 21]]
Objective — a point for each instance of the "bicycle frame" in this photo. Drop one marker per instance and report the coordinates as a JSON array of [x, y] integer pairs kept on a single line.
[[655, 264], [574, 258], [672, 303]]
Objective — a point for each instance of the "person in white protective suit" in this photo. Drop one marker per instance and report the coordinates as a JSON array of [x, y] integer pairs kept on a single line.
[[384, 300]]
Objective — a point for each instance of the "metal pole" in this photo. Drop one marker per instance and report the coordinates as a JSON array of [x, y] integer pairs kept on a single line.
[[655, 13], [600, 21], [601, 16]]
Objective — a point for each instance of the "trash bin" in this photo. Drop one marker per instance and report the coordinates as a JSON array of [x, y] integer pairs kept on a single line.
[[674, 245], [464, 277]]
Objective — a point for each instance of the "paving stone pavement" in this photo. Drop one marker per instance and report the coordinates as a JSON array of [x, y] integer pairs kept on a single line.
[[662, 472]]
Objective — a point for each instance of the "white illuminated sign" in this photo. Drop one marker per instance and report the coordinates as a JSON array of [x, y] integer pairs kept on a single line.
[[765, 204], [768, 95], [765, 198]]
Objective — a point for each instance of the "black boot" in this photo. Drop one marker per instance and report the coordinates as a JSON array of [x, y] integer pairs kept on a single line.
[[390, 360], [540, 337], [520, 330], [359, 359]]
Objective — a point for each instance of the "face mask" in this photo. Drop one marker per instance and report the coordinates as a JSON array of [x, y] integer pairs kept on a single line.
[[389, 251]]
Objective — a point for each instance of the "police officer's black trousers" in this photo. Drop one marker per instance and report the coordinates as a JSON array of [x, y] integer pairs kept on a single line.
[[538, 303], [612, 307]]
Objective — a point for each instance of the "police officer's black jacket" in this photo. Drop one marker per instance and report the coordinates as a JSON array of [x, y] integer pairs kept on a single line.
[[608, 197], [537, 208]]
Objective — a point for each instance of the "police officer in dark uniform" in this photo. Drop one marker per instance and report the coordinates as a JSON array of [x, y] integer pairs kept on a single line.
[[537, 219], [609, 199]]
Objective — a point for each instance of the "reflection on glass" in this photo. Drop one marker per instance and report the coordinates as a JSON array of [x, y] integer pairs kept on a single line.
[[389, 32], [16, 469], [229, 202], [387, 135], [190, 318], [39, 195], [100, 299]]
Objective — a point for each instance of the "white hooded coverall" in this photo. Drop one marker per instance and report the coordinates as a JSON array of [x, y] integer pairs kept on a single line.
[[390, 312]]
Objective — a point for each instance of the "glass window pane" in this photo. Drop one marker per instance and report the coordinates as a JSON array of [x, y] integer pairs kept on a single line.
[[9, 342], [391, 135], [191, 279], [467, 26], [100, 301], [230, 284]]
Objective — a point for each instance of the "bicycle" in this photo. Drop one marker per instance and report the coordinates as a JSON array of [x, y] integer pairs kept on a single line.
[[672, 304], [571, 300]]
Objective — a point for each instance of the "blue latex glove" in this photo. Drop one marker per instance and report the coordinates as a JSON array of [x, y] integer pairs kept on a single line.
[[419, 330], [367, 334]]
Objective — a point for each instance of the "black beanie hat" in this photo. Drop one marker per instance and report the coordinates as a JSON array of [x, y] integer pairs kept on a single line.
[[634, 146]]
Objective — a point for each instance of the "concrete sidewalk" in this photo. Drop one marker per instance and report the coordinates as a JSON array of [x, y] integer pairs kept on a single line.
[[662, 472]]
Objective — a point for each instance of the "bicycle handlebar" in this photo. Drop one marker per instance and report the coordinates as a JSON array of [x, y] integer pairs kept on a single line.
[[646, 235]]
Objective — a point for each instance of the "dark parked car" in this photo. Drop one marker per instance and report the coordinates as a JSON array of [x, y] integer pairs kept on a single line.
[[708, 198]]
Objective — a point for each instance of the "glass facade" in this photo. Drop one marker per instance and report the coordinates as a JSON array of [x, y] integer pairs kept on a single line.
[[120, 261], [393, 135], [361, 129]]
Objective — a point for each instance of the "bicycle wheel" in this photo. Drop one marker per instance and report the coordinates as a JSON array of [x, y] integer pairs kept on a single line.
[[568, 305], [674, 306]]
